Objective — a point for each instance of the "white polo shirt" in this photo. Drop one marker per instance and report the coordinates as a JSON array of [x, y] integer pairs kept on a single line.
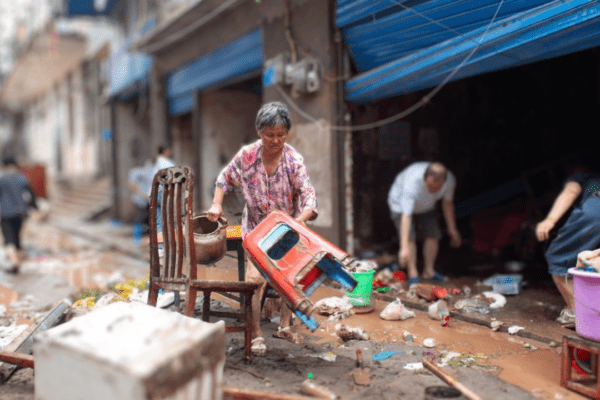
[[409, 195]]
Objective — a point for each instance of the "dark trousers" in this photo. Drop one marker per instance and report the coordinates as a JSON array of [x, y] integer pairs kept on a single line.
[[11, 230]]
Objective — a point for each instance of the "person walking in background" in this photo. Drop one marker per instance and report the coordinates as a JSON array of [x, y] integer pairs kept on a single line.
[[412, 200], [16, 197], [163, 160], [273, 177], [140, 185], [580, 232]]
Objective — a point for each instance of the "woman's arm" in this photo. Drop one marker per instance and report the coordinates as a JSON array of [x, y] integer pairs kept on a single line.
[[563, 202], [306, 193], [216, 210]]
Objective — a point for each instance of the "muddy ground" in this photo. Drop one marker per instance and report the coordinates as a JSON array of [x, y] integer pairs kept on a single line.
[[502, 365]]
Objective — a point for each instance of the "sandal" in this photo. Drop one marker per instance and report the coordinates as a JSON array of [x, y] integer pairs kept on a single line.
[[259, 348], [412, 280], [287, 334], [437, 277]]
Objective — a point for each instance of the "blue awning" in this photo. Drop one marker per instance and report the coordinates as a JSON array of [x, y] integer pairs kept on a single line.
[[77, 8], [181, 104], [240, 57], [401, 52], [130, 72]]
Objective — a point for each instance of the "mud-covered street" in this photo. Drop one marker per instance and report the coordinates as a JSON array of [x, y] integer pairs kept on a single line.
[[494, 364]]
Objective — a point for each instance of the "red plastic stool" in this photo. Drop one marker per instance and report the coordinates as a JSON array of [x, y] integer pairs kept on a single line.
[[295, 261], [570, 373]]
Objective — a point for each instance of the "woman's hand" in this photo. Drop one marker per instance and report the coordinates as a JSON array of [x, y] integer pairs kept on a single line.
[[542, 230], [214, 212]]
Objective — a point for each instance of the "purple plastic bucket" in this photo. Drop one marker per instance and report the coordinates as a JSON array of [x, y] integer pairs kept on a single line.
[[586, 290]]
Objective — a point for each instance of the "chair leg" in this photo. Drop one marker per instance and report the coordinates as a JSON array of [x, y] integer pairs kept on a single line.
[[206, 306], [152, 294], [248, 332], [191, 301], [264, 297]]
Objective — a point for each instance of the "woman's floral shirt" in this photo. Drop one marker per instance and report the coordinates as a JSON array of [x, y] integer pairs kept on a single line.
[[288, 189]]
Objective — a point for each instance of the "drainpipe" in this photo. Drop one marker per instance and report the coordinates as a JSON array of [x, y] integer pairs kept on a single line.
[[348, 195], [344, 141]]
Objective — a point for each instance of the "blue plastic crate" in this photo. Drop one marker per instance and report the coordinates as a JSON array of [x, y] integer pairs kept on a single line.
[[507, 284]]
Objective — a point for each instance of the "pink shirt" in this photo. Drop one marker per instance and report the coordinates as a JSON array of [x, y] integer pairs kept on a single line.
[[287, 189]]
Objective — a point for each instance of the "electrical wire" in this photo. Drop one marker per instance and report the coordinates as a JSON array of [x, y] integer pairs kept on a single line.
[[424, 100], [420, 14]]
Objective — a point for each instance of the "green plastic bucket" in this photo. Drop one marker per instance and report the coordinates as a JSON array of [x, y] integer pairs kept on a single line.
[[361, 295]]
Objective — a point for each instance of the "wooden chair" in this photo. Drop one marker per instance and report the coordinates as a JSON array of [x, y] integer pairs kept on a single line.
[[177, 271]]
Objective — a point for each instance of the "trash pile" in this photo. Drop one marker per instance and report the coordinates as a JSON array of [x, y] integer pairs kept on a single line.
[[453, 359], [335, 307], [386, 280], [129, 291]]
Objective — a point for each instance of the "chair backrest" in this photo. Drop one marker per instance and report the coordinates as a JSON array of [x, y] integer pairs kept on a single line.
[[173, 197]]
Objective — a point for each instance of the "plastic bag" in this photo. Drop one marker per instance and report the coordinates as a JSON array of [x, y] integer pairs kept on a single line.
[[396, 311], [470, 305]]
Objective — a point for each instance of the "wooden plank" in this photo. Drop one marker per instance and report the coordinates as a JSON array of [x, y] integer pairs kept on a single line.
[[450, 380]]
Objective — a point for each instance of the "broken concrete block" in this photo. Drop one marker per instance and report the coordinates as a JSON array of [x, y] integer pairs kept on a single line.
[[130, 351]]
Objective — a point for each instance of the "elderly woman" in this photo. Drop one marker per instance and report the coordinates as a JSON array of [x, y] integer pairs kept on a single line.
[[273, 177]]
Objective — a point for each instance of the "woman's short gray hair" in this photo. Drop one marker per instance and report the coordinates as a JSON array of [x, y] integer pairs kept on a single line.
[[272, 115]]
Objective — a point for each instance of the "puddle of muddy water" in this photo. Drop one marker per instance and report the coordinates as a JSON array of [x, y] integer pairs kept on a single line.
[[7, 296]]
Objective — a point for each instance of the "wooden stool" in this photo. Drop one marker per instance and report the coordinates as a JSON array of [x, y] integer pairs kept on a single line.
[[587, 385]]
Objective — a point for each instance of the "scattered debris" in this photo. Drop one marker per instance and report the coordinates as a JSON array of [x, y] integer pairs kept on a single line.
[[338, 316], [438, 310], [348, 333], [384, 355], [447, 357], [359, 358], [466, 290], [496, 325], [440, 292], [362, 376], [424, 291], [318, 391], [472, 305], [499, 300], [408, 337], [505, 284], [414, 366], [364, 266], [553, 344], [514, 329], [333, 305], [329, 356], [10, 333], [455, 291], [396, 311], [429, 342], [529, 346]]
